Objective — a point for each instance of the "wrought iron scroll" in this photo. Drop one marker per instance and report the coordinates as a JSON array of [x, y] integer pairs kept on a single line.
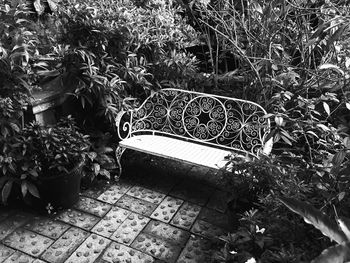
[[221, 121], [123, 126]]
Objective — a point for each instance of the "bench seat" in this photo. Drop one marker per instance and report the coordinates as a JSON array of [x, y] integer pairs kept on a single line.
[[195, 128], [178, 149]]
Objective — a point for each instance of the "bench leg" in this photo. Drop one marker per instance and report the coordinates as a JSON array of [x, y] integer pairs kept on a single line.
[[118, 155]]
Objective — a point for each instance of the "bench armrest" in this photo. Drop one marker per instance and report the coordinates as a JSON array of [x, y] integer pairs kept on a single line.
[[268, 146], [123, 124]]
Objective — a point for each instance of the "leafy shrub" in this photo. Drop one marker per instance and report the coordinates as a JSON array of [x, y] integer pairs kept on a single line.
[[35, 152], [338, 232]]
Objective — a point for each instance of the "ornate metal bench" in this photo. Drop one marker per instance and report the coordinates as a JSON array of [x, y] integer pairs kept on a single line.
[[194, 127]]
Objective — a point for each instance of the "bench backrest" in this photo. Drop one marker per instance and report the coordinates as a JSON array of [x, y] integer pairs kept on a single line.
[[223, 122]]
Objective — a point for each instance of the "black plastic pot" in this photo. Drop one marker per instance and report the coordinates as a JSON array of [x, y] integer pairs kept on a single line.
[[61, 191]]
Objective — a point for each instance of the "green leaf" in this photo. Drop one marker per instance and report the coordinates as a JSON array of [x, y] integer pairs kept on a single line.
[[6, 190], [14, 127], [33, 189], [312, 133], [39, 8], [33, 173], [338, 158], [344, 225], [336, 34], [341, 196], [326, 108], [333, 67], [316, 218], [336, 254], [52, 5], [48, 73], [286, 140], [105, 173], [347, 105], [96, 168], [24, 188], [279, 120], [2, 181]]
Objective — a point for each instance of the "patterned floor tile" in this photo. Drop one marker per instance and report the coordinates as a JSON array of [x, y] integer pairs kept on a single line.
[[28, 242], [89, 250], [197, 250], [186, 215], [218, 201], [114, 193], [4, 213], [92, 206], [192, 192], [96, 189], [156, 247], [11, 223], [79, 219], [47, 227], [146, 194], [118, 253], [214, 217], [5, 252], [130, 228], [136, 205], [59, 251], [198, 171], [110, 223], [167, 209], [167, 232], [19, 257], [206, 229]]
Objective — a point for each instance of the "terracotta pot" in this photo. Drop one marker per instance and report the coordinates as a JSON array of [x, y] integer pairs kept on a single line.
[[61, 191]]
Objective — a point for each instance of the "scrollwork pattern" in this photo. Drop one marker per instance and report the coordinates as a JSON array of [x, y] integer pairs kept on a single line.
[[221, 121]]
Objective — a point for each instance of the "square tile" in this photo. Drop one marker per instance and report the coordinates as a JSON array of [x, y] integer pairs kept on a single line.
[[156, 247], [47, 227], [78, 219], [218, 201], [207, 230], [214, 217], [4, 213], [96, 189], [5, 252], [197, 250], [167, 232], [119, 253], [89, 250], [63, 247], [110, 223], [192, 192], [186, 215], [28, 242], [19, 257], [11, 223], [130, 228], [136, 205], [167, 209], [92, 206], [146, 194], [114, 193]]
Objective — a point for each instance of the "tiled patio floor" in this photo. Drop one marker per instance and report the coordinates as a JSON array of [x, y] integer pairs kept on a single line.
[[160, 211]]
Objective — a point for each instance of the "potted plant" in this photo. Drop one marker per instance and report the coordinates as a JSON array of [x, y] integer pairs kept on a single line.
[[45, 162], [62, 151]]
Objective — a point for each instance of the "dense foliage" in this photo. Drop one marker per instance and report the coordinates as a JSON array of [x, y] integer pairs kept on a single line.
[[292, 57]]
